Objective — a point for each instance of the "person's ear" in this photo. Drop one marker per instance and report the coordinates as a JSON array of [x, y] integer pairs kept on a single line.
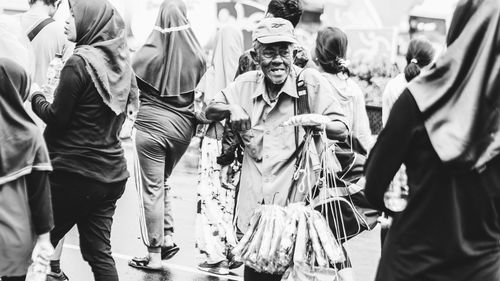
[[253, 54]]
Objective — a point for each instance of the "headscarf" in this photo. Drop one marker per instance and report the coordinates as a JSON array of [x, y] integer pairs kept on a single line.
[[460, 96], [171, 60], [22, 148], [14, 43], [228, 48], [226, 54], [101, 42]]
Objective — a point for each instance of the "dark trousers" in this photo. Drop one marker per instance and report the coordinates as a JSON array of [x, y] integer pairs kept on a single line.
[[90, 205], [250, 274]]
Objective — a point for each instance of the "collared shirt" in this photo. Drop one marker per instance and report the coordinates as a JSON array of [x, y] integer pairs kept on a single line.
[[268, 162]]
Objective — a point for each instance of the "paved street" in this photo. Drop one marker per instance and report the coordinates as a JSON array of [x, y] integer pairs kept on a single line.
[[126, 241]]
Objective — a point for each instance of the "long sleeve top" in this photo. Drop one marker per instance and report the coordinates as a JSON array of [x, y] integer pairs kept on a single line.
[[25, 211], [40, 202], [392, 90], [353, 104], [451, 226], [82, 131]]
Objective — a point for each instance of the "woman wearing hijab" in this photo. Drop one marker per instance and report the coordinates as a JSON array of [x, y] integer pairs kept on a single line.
[[445, 127], [25, 206], [96, 87], [168, 67], [330, 56], [215, 232]]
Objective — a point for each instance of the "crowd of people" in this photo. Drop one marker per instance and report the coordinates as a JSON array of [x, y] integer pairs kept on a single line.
[[253, 108]]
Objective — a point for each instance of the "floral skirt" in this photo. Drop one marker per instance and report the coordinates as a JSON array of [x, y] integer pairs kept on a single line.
[[215, 231]]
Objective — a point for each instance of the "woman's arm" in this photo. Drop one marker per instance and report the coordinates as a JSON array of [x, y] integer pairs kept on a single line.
[[71, 85], [391, 147], [39, 200]]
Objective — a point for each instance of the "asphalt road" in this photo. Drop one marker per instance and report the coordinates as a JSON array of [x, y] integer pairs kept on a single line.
[[126, 242]]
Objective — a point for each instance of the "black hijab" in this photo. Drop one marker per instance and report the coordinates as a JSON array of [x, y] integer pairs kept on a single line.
[[460, 96], [171, 60], [22, 148], [101, 42]]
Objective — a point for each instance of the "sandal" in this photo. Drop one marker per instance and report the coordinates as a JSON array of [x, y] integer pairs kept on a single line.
[[169, 252], [142, 263]]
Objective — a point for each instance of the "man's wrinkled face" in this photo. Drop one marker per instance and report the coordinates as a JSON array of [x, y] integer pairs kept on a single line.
[[275, 60]]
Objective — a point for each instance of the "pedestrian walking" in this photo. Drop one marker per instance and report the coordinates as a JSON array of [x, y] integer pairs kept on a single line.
[[419, 58], [48, 40], [445, 128], [168, 67], [256, 103], [25, 205], [45, 34], [330, 56], [232, 150], [96, 88], [216, 235]]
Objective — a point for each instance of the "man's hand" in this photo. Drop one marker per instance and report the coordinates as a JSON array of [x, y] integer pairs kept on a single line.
[[240, 121]]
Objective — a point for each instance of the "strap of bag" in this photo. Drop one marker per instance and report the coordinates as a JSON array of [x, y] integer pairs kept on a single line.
[[34, 32], [301, 105]]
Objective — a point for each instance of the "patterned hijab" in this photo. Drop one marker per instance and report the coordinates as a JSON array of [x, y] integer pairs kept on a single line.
[[22, 148], [171, 60], [460, 97], [101, 42]]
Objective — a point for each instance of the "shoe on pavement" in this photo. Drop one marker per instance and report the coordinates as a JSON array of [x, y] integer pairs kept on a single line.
[[143, 263], [57, 276], [220, 268], [169, 252], [233, 263]]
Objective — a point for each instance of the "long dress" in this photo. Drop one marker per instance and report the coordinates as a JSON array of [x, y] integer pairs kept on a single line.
[[215, 206], [450, 229]]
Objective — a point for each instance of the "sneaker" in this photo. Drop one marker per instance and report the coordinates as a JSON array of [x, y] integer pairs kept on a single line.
[[220, 268], [59, 276], [233, 263]]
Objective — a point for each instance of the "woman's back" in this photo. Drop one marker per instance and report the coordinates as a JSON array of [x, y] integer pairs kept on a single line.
[[83, 138], [352, 101], [450, 228]]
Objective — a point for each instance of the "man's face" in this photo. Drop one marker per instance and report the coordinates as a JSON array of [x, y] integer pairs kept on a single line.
[[275, 60]]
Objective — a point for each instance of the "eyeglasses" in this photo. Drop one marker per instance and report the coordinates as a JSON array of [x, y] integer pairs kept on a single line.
[[271, 53]]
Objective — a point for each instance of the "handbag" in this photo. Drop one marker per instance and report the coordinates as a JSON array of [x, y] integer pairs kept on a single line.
[[329, 175], [340, 196]]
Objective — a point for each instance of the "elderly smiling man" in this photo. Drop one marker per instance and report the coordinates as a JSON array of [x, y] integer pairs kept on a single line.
[[256, 103]]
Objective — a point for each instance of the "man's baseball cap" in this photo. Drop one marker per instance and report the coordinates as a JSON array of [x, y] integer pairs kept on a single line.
[[272, 30]]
